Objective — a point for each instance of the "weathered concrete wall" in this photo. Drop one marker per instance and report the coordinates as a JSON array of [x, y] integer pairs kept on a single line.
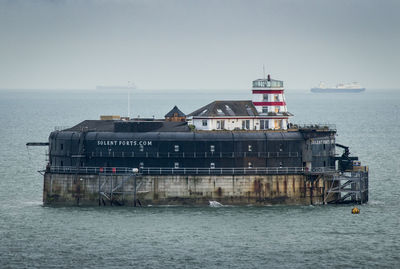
[[69, 189]]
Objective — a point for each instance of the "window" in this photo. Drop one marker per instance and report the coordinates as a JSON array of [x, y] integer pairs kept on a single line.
[[276, 98], [176, 148], [176, 165], [141, 148], [264, 109], [265, 97], [62, 146], [141, 165], [324, 148], [324, 163], [246, 124], [250, 165], [280, 124], [212, 148], [212, 165], [263, 124], [249, 147], [280, 147], [204, 122], [61, 163], [280, 164]]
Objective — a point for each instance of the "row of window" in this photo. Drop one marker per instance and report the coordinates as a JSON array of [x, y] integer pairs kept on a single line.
[[277, 109], [267, 83], [212, 165], [212, 148], [264, 124], [275, 98], [176, 164]]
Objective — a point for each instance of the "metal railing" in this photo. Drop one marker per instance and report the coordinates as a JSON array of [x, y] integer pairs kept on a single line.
[[89, 170], [190, 171], [60, 128], [317, 126], [223, 171], [132, 154], [321, 170]]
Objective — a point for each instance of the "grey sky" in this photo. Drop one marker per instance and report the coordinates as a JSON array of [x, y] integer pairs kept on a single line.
[[198, 44]]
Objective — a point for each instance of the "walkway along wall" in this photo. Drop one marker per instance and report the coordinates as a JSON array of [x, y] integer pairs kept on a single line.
[[105, 190]]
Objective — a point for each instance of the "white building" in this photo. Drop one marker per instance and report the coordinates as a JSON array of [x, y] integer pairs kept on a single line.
[[267, 110]]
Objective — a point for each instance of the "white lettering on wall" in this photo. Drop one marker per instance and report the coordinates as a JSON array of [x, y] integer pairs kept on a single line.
[[321, 141], [126, 143]]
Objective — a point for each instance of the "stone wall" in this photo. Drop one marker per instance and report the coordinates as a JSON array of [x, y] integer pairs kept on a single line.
[[70, 189]]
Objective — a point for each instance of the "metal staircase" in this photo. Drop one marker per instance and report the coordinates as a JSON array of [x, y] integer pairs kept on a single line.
[[348, 187], [113, 189]]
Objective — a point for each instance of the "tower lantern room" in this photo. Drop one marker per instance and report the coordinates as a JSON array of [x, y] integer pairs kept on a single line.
[[269, 100]]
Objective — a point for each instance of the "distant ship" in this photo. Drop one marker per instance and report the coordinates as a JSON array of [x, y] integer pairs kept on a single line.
[[344, 87], [114, 87]]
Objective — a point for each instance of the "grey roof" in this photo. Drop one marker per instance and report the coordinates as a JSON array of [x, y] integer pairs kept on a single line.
[[173, 111], [227, 108], [93, 125], [130, 126]]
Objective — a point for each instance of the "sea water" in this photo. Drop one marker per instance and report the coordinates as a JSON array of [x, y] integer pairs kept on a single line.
[[33, 236]]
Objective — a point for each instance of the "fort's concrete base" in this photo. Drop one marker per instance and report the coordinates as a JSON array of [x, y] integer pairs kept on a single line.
[[71, 189]]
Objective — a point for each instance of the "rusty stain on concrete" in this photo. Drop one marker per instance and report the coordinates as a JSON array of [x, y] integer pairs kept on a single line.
[[63, 189]]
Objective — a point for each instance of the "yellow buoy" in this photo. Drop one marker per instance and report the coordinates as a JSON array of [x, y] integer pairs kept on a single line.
[[355, 210]]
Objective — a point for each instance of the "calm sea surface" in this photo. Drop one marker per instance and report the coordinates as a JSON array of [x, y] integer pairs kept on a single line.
[[33, 236]]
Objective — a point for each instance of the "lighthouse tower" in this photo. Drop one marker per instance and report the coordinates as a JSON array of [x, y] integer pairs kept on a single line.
[[269, 100]]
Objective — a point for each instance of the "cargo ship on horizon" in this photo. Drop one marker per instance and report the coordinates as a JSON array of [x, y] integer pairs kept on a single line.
[[116, 87], [352, 87]]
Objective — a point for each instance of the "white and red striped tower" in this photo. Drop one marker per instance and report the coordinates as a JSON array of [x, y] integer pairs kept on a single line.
[[269, 100]]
